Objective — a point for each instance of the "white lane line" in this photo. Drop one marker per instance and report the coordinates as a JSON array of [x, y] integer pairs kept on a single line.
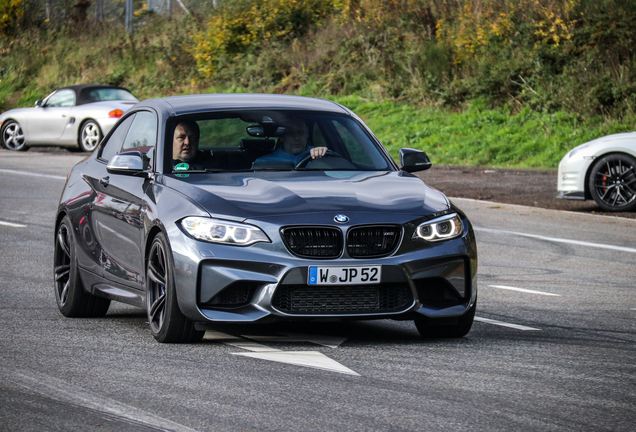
[[60, 390], [11, 224], [558, 240], [33, 174], [504, 287], [532, 208], [505, 324]]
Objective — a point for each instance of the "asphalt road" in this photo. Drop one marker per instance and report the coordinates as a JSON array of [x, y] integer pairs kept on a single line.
[[553, 349]]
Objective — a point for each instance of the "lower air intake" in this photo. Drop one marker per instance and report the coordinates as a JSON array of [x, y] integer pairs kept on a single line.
[[342, 300]]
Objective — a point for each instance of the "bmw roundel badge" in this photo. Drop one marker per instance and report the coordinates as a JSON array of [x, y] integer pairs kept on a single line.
[[341, 218]]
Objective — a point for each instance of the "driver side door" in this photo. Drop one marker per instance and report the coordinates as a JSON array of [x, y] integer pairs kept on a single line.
[[46, 124]]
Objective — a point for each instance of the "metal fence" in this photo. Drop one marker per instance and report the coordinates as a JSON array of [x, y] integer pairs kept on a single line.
[[59, 11]]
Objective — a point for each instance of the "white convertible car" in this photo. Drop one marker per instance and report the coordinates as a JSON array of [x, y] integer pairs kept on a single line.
[[603, 170], [75, 116]]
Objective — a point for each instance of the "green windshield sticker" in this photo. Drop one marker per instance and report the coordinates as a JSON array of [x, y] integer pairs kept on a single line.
[[182, 167]]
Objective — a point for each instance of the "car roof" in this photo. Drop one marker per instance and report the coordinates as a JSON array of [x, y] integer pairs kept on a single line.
[[189, 104], [82, 91]]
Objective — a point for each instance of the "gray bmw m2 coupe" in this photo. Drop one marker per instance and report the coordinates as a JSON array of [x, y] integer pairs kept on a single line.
[[251, 208]]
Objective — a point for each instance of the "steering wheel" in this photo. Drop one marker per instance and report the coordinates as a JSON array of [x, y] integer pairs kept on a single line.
[[307, 158]]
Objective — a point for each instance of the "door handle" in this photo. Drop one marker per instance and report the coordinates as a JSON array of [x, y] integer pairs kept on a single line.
[[105, 181]]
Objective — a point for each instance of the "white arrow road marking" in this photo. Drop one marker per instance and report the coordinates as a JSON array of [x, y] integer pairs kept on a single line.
[[327, 341], [523, 290], [312, 359], [11, 224], [505, 324]]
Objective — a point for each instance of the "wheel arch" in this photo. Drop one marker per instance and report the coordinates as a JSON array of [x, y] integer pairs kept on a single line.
[[58, 219], [11, 120], [586, 184], [152, 233]]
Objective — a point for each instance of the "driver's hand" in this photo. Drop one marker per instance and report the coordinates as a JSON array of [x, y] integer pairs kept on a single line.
[[318, 152]]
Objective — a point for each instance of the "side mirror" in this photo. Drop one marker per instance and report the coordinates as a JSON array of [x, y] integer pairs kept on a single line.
[[38, 103], [414, 160], [130, 163]]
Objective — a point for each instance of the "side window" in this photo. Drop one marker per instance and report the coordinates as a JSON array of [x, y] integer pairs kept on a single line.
[[115, 142], [317, 139], [62, 98], [358, 155], [142, 136], [361, 149]]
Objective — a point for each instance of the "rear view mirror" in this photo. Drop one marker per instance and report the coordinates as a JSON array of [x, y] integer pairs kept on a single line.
[[413, 160], [38, 103], [265, 131]]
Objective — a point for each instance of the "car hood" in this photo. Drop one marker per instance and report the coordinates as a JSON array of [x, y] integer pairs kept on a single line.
[[625, 142], [264, 194]]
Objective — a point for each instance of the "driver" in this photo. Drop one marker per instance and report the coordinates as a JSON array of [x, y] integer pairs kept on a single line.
[[185, 149], [292, 146]]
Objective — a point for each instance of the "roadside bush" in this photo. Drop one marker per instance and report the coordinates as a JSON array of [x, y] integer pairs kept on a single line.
[[11, 12]]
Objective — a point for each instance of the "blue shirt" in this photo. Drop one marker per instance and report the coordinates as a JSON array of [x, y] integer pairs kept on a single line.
[[280, 155]]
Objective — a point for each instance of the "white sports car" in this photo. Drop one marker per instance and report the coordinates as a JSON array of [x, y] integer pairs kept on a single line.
[[74, 116], [603, 170]]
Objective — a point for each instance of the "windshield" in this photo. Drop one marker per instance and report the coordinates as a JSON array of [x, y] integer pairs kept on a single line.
[[272, 141], [110, 94]]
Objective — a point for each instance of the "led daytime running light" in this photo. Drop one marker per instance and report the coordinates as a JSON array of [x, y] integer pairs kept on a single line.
[[225, 232], [444, 228]]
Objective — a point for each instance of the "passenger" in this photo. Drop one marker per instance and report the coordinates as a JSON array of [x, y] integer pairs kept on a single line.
[[292, 146], [185, 149]]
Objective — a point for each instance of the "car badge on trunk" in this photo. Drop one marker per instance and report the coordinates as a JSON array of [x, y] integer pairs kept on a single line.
[[341, 218]]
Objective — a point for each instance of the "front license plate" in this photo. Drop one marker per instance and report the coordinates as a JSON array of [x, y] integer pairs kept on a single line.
[[345, 275]]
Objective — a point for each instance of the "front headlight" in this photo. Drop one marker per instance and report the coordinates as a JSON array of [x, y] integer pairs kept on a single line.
[[442, 228], [223, 232]]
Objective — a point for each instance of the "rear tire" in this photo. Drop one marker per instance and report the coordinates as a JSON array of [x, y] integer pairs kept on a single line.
[[13, 136], [167, 323], [431, 328], [72, 299], [90, 136]]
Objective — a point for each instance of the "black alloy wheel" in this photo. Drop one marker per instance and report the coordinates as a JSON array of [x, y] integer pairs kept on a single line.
[[90, 136], [167, 323], [612, 182], [13, 136], [431, 328], [72, 299]]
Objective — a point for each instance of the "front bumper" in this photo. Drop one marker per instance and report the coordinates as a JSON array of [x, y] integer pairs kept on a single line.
[[265, 282], [572, 176]]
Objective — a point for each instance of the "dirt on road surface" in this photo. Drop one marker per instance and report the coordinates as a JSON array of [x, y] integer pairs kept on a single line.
[[529, 187]]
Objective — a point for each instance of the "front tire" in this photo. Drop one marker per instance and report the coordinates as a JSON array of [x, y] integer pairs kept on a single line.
[[431, 328], [90, 136], [72, 299], [13, 136], [612, 183], [167, 323]]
